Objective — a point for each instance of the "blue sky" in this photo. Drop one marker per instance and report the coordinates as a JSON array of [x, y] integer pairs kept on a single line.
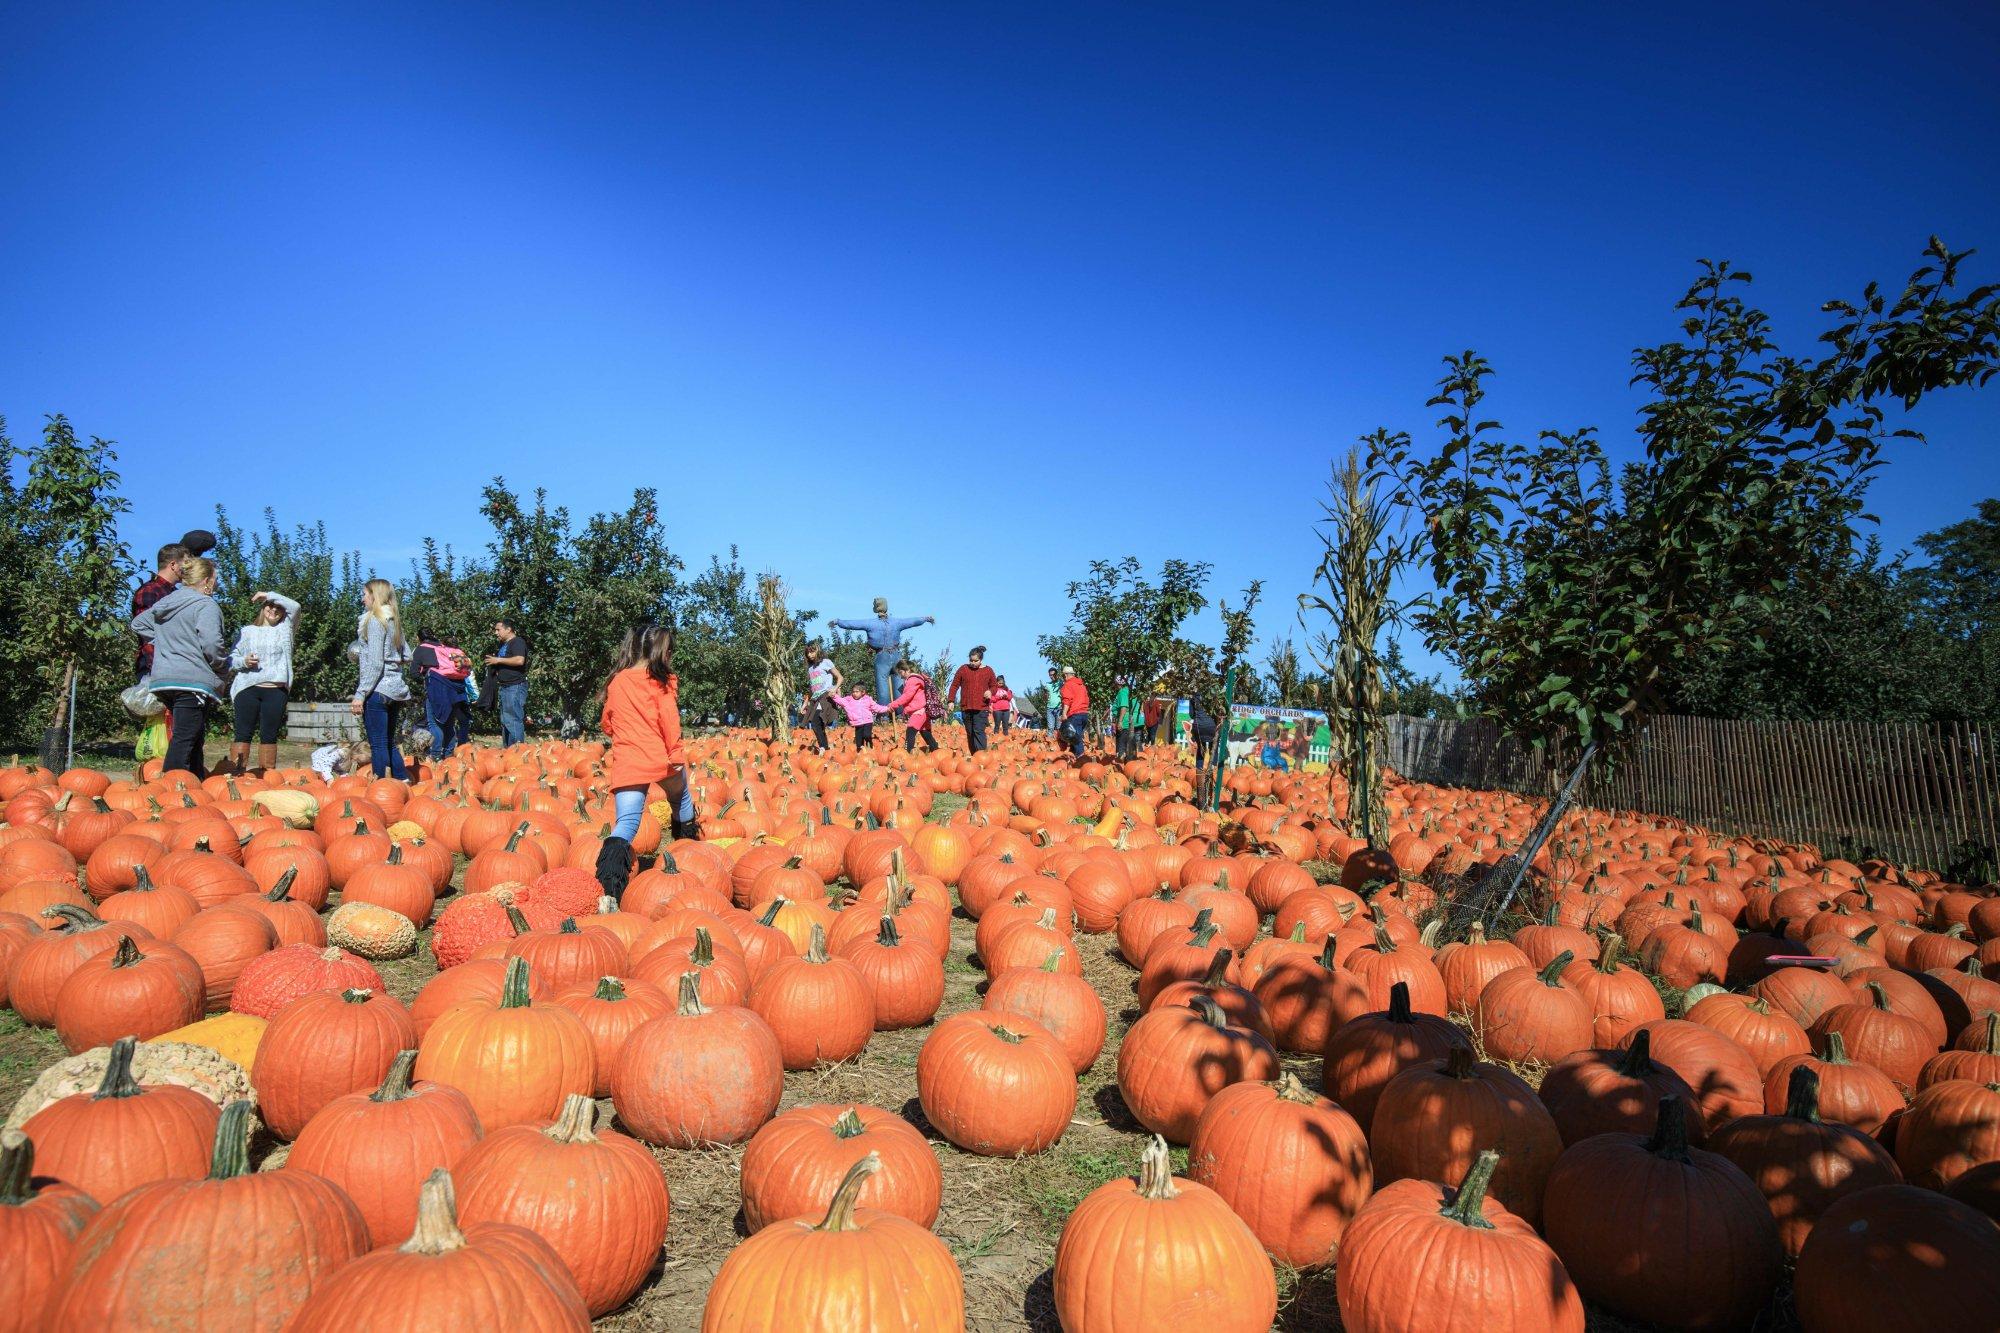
[[935, 301]]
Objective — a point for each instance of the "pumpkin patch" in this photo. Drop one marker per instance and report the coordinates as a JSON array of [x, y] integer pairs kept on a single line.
[[891, 994]]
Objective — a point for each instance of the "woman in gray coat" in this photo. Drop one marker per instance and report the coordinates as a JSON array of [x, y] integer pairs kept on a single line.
[[189, 658]]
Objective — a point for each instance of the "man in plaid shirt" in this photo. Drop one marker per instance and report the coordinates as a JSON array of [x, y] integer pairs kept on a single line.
[[167, 575]]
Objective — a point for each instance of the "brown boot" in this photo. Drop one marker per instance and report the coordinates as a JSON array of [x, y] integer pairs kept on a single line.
[[239, 757], [267, 758]]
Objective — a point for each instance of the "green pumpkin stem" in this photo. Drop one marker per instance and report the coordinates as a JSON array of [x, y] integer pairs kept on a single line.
[[17, 1168], [142, 879], [1467, 1205], [1552, 974], [437, 1218], [126, 954], [770, 917], [1608, 954], [516, 920], [849, 1125], [281, 891], [886, 934], [232, 1143], [840, 1213], [1670, 1134], [396, 1083], [1637, 1059], [514, 984], [118, 1080], [1802, 1093], [1877, 996], [1217, 975], [1836, 1049], [609, 988], [1053, 961]]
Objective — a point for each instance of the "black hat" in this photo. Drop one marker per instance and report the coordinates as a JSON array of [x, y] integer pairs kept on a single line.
[[199, 542]]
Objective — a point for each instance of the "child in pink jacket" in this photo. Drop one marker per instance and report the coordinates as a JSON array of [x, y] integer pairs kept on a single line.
[[861, 710], [917, 702]]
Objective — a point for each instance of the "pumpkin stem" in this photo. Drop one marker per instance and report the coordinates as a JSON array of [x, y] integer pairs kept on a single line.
[[1156, 1172], [703, 954], [395, 853], [886, 934], [1204, 931], [514, 984], [118, 1080], [232, 1143], [357, 995], [849, 1125], [1383, 944], [1399, 1003], [770, 917], [126, 954], [1290, 1089], [520, 832], [76, 918], [569, 927], [1008, 1035], [1298, 935], [1802, 1093], [516, 920], [576, 1122], [142, 879], [1552, 974], [1460, 1063], [1866, 935], [1607, 955], [1211, 1012], [667, 865], [1992, 1046], [1217, 975], [1836, 1049], [437, 1218], [608, 988], [1054, 959], [1329, 953], [1670, 1135], [690, 997], [1467, 1206], [17, 1168], [816, 950], [396, 1083], [280, 891], [840, 1213], [1878, 996], [1637, 1061]]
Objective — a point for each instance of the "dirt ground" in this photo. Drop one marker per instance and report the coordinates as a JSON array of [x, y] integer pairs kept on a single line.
[[1001, 1218]]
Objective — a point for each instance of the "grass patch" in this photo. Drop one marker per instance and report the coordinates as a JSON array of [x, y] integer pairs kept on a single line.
[[1055, 1182]]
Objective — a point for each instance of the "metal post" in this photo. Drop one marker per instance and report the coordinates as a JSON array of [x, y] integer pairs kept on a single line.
[[69, 742], [1222, 737], [1542, 831]]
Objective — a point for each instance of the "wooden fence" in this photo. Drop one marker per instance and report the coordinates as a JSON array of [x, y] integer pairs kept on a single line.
[[1918, 793]]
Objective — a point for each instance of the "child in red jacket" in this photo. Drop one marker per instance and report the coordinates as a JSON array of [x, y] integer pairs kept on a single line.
[[642, 716]]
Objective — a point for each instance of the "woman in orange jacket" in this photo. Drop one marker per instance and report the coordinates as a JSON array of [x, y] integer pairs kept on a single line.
[[642, 716]]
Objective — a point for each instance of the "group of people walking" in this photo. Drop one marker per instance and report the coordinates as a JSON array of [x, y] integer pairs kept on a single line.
[[984, 702], [186, 661]]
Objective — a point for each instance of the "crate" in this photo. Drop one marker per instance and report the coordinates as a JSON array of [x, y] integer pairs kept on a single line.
[[318, 724]]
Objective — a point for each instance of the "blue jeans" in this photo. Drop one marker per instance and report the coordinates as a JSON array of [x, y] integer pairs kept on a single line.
[[379, 717], [630, 803], [1073, 728], [446, 715], [513, 713], [887, 683]]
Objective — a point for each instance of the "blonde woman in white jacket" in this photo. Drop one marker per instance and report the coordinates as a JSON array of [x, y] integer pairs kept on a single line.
[[263, 684]]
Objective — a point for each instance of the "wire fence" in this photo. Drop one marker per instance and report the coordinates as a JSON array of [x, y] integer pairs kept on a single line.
[[1917, 793]]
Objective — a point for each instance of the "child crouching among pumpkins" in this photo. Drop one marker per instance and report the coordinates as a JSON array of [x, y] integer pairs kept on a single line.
[[642, 716]]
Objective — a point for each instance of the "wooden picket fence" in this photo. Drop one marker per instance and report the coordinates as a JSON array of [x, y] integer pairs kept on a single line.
[[1918, 793]]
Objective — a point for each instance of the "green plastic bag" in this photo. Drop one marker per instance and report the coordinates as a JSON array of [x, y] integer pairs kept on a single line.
[[152, 740]]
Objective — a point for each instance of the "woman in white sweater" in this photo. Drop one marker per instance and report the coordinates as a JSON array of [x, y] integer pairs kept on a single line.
[[263, 684]]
